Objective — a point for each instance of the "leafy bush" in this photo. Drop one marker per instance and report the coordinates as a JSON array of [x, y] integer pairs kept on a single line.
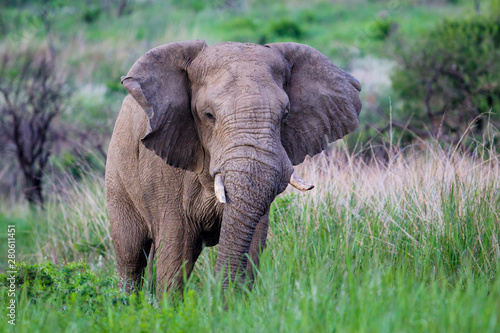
[[243, 29], [452, 77], [494, 7], [92, 14], [248, 30], [286, 27], [195, 5], [382, 28], [47, 280], [77, 165]]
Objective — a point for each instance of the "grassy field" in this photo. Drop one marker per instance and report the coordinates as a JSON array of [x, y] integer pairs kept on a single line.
[[411, 245]]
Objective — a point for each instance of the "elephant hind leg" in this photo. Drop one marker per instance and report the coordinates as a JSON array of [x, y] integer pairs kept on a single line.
[[132, 241], [131, 266], [132, 247]]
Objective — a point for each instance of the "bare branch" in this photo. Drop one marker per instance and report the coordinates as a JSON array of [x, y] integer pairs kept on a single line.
[[31, 101]]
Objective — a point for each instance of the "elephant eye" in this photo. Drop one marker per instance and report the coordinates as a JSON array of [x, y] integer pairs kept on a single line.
[[209, 115]]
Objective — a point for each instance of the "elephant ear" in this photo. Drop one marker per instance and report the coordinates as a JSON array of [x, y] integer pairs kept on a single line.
[[158, 81], [324, 101]]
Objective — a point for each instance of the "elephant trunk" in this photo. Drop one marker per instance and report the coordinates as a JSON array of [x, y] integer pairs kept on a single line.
[[250, 187]]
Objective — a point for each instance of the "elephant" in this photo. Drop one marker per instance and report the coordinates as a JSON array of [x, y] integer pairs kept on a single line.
[[205, 140]]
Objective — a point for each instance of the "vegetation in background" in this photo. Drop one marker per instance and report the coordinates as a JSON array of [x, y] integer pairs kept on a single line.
[[32, 97], [450, 79]]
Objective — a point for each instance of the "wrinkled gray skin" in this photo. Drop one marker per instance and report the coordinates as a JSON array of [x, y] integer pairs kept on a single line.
[[248, 112]]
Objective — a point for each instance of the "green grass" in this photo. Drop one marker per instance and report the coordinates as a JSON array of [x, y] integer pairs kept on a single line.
[[412, 245]]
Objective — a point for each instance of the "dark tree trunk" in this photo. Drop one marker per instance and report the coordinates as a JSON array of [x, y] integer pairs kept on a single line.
[[33, 189], [29, 103], [122, 7]]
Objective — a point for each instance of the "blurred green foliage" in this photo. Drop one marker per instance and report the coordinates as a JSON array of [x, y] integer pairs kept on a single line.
[[383, 27], [26, 223], [196, 5], [91, 14], [77, 165], [452, 76], [494, 7], [286, 27]]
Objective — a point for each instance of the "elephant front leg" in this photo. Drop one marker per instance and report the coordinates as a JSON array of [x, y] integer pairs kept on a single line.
[[257, 246], [131, 241], [176, 254]]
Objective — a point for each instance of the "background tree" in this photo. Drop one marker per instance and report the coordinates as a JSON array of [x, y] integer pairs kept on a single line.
[[451, 78], [31, 97]]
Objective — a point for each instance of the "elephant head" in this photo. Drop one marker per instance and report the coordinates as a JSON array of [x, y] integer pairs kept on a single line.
[[243, 114]]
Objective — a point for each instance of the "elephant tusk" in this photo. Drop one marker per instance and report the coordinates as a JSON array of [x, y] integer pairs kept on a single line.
[[299, 184], [220, 193]]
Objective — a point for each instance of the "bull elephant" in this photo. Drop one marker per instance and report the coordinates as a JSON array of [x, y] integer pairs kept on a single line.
[[205, 141]]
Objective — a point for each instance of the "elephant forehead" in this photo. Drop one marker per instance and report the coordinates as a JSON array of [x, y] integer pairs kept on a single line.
[[233, 61], [250, 96]]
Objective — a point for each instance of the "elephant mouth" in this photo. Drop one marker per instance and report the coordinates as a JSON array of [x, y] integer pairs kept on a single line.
[[220, 191]]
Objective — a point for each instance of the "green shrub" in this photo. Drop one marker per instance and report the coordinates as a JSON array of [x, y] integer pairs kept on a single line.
[[243, 29], [195, 5], [309, 16], [48, 280], [113, 86], [286, 27], [494, 7], [452, 77], [77, 165], [91, 14], [242, 23], [381, 28]]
